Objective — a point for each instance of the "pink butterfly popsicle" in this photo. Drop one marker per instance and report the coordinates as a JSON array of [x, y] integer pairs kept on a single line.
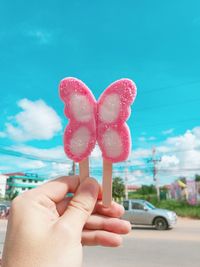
[[102, 121]]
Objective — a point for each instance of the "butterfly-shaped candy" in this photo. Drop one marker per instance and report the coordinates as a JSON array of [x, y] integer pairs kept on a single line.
[[102, 121]]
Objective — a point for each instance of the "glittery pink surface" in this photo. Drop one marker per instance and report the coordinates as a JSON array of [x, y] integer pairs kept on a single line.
[[68, 87], [126, 90], [123, 92]]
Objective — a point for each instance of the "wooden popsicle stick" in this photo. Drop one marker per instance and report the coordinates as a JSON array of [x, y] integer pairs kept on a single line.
[[84, 169], [107, 183]]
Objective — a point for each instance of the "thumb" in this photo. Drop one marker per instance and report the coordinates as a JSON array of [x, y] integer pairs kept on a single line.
[[82, 204]]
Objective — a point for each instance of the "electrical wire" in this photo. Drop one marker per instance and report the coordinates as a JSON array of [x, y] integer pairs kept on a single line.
[[169, 105], [171, 87], [118, 169], [9, 152], [167, 123], [14, 153]]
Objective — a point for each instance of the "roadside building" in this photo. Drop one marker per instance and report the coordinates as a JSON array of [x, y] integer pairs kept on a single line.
[[133, 188], [198, 191], [3, 179], [16, 184]]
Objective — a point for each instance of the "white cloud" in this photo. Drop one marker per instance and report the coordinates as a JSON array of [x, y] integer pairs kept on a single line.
[[169, 161], [169, 131], [138, 177], [59, 169], [3, 168], [137, 162], [2, 135], [196, 132], [96, 153], [142, 139], [31, 164], [138, 173], [15, 164], [180, 156], [190, 140], [152, 138], [41, 36], [183, 153], [36, 121], [140, 153], [146, 139], [54, 153], [162, 149], [96, 157], [57, 164]]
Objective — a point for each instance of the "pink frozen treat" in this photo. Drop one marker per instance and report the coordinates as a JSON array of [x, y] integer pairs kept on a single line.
[[80, 109], [113, 134], [104, 121]]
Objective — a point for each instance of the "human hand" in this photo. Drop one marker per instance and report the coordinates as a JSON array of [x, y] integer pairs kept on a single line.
[[46, 229]]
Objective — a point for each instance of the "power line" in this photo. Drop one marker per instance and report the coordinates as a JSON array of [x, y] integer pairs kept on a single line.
[[118, 169], [115, 172], [167, 123], [180, 150], [150, 125], [155, 161], [168, 152], [14, 153], [179, 170], [169, 105], [31, 157], [171, 87]]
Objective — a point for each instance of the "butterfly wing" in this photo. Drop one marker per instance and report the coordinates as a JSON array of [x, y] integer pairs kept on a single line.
[[80, 109], [113, 109]]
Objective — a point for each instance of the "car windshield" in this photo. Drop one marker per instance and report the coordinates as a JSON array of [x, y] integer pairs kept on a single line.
[[149, 205]]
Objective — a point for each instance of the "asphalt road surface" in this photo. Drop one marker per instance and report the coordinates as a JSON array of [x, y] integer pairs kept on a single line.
[[146, 247], [179, 247]]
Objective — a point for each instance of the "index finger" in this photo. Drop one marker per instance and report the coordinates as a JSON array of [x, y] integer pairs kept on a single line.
[[57, 189]]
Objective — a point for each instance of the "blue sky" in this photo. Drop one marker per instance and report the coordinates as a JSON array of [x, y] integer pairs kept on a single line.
[[155, 43]]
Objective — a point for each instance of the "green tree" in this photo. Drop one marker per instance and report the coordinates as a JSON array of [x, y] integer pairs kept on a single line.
[[147, 190], [12, 195], [118, 188], [197, 178]]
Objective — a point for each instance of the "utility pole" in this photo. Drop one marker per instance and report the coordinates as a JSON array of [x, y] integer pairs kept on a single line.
[[73, 170], [126, 180], [155, 160]]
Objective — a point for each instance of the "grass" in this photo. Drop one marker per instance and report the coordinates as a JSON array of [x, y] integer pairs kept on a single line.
[[182, 208]]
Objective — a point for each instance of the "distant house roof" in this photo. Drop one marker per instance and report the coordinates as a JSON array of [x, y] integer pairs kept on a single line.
[[14, 173], [28, 177], [133, 187], [167, 186]]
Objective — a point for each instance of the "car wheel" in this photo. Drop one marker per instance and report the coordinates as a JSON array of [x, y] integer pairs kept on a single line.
[[161, 224]]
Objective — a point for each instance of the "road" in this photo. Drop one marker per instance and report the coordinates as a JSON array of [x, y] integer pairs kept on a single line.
[[144, 247], [147, 247]]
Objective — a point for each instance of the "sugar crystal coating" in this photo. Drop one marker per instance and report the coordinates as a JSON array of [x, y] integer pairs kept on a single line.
[[113, 109], [103, 121], [80, 109]]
